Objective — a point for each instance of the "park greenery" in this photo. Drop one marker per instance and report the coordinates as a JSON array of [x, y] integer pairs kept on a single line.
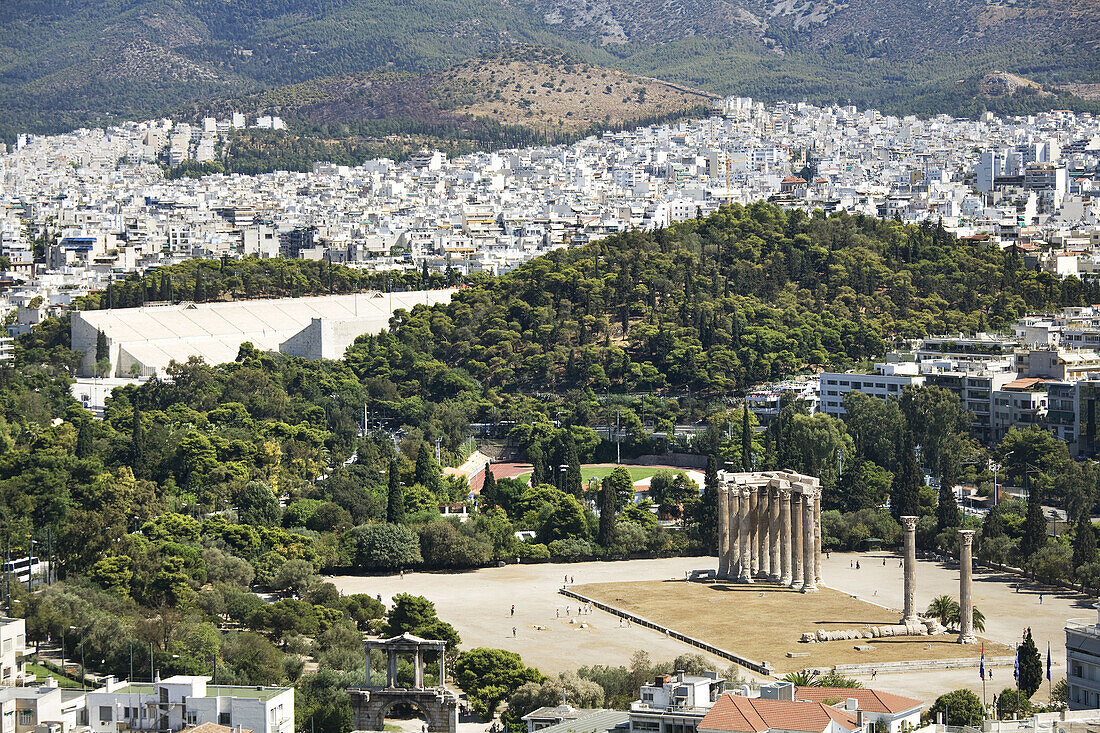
[[191, 491]]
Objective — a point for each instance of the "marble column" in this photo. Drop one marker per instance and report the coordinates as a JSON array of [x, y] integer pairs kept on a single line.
[[809, 545], [796, 539], [723, 535], [817, 541], [785, 536], [733, 570], [745, 537], [763, 512], [909, 526], [754, 532], [773, 535], [966, 574]]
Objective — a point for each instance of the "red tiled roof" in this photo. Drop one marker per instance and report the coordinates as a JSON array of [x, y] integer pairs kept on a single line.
[[794, 179], [1024, 383], [739, 714], [870, 701]]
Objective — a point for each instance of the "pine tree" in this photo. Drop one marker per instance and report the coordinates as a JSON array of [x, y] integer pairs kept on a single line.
[[607, 514], [137, 442], [1084, 541], [538, 464], [395, 497], [746, 440], [906, 496], [84, 439], [1031, 665]]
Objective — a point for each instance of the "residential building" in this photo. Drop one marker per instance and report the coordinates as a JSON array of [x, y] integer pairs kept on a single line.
[[888, 380], [674, 703], [13, 647], [738, 714], [1083, 663], [170, 705], [885, 709], [1020, 403]]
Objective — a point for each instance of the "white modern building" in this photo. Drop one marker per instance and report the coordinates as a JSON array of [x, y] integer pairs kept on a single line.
[[13, 647], [143, 341], [182, 701], [888, 380], [674, 703]]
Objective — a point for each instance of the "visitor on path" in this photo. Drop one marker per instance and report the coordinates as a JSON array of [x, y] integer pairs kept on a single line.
[[513, 632], [884, 562], [857, 564], [557, 613], [874, 673], [1040, 599], [513, 610]]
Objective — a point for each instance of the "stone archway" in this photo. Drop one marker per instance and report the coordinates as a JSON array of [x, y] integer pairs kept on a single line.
[[438, 705]]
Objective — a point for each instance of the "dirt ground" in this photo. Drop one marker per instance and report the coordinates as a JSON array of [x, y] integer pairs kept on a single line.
[[478, 604], [764, 622]]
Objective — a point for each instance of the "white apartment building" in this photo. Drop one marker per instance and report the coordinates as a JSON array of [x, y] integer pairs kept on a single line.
[[13, 647], [674, 703], [181, 701], [888, 380]]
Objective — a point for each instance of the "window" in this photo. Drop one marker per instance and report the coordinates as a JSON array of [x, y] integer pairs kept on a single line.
[[223, 719], [106, 714], [192, 718], [26, 717]]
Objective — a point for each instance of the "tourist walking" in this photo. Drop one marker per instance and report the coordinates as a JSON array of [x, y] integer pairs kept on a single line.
[[513, 610], [513, 632]]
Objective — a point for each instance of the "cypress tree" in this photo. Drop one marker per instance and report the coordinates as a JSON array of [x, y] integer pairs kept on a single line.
[[102, 352], [489, 486], [1035, 524], [947, 509], [538, 464], [137, 441], [1084, 541], [746, 440], [395, 497], [199, 292], [84, 439], [708, 507], [1031, 665], [572, 483], [607, 514], [428, 473], [906, 496]]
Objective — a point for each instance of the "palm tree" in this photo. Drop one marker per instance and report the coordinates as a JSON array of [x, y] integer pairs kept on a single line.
[[979, 620], [805, 678], [944, 608]]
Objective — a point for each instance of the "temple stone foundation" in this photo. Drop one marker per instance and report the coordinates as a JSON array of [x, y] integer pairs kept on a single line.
[[769, 526]]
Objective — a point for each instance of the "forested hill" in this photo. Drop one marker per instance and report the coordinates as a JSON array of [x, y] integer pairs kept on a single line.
[[716, 304]]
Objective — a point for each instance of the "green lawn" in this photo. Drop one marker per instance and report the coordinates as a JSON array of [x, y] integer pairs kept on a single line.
[[42, 673], [637, 473]]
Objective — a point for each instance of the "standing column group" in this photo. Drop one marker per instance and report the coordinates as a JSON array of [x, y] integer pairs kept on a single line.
[[770, 531]]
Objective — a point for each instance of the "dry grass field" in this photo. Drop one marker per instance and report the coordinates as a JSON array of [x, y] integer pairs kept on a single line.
[[764, 622]]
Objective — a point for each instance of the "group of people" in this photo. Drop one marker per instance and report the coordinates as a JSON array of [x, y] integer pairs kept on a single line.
[[585, 609]]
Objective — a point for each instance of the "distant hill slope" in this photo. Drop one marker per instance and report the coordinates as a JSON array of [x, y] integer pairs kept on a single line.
[[66, 62], [537, 89]]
